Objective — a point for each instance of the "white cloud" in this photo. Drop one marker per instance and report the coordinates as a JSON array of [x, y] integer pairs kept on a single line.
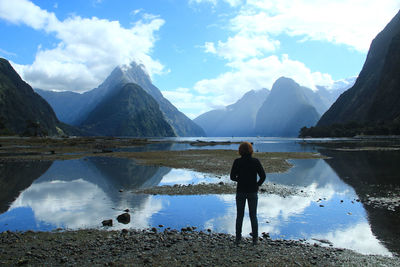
[[242, 46], [357, 237], [251, 50], [256, 74], [26, 12], [351, 22], [88, 48], [188, 102]]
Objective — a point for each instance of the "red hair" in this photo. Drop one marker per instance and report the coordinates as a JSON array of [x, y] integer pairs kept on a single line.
[[245, 148]]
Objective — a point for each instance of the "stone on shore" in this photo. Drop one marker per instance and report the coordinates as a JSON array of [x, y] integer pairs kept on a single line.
[[107, 222], [124, 218]]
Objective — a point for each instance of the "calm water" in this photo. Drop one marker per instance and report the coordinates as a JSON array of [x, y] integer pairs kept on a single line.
[[81, 193]]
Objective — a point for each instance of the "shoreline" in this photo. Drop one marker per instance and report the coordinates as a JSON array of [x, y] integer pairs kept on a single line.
[[166, 247]]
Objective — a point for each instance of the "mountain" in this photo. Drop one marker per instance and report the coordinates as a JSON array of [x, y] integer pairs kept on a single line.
[[375, 97], [128, 111], [83, 104], [329, 94], [237, 119], [67, 105], [22, 111], [286, 110]]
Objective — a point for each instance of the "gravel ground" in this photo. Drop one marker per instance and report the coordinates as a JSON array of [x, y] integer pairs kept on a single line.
[[158, 247], [219, 188]]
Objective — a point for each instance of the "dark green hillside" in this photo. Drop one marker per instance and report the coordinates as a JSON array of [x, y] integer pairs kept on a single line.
[[22, 111], [129, 111]]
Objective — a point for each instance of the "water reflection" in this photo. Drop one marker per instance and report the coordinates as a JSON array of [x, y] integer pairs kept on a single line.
[[16, 176], [185, 177], [372, 173], [81, 193]]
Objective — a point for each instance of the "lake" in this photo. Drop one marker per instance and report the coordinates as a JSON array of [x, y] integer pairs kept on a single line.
[[81, 193]]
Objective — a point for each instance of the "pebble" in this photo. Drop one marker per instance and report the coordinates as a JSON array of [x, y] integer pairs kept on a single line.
[[171, 248]]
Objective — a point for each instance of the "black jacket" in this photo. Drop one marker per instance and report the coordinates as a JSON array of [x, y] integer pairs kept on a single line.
[[244, 172]]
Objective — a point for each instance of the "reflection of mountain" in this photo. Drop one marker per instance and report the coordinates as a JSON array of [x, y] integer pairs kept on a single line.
[[125, 173], [309, 172], [372, 173], [71, 189], [16, 176], [110, 174]]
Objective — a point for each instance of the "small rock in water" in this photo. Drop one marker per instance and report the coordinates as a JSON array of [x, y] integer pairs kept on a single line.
[[124, 218], [160, 225], [107, 222], [121, 190], [321, 206], [126, 210]]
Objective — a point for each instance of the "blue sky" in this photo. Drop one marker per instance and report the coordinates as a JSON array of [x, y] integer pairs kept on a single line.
[[201, 54]]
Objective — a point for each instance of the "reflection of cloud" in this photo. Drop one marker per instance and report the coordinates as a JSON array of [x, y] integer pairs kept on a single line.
[[140, 216], [357, 237], [81, 204], [182, 176], [271, 208], [73, 204]]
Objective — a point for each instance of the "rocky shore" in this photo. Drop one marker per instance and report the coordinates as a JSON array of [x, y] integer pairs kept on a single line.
[[219, 188], [165, 247]]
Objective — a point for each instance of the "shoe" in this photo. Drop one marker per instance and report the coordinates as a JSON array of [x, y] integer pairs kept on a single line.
[[255, 242], [237, 240]]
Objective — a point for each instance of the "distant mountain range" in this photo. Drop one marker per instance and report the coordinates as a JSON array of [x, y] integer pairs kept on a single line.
[[281, 112], [24, 112], [125, 104], [372, 105], [238, 119], [82, 110]]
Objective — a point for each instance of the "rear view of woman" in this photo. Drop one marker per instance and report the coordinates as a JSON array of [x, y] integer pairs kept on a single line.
[[244, 172]]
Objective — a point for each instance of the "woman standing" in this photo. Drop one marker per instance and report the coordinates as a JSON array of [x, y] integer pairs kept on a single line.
[[244, 172]]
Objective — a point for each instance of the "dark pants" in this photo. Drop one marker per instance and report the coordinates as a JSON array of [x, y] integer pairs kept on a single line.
[[252, 200]]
